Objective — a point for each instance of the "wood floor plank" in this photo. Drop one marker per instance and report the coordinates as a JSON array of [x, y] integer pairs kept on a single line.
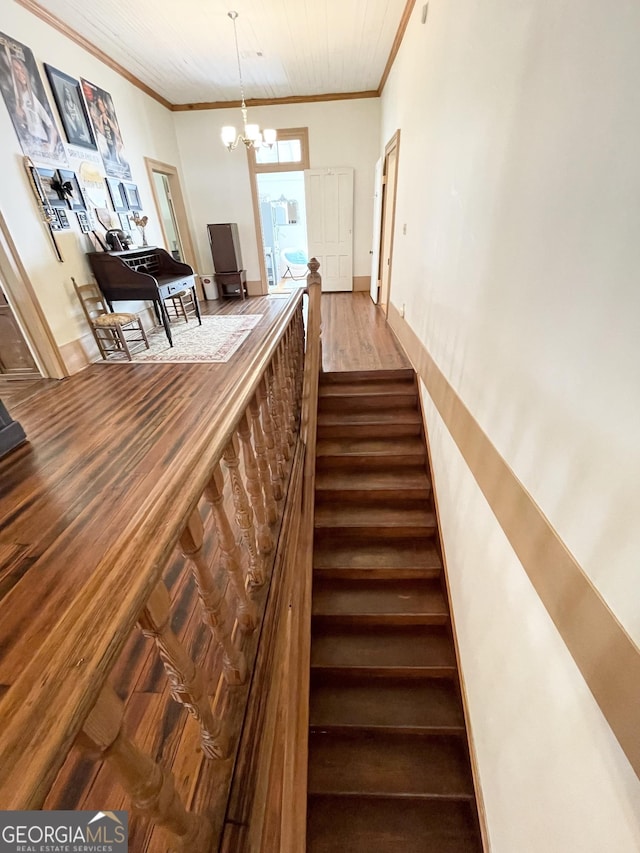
[[355, 335]]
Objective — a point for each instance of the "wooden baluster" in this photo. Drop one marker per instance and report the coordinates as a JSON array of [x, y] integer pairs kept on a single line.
[[278, 409], [254, 487], [259, 442], [215, 611], [291, 379], [300, 356], [244, 513], [287, 395], [150, 787], [247, 614], [297, 357], [186, 680], [276, 459]]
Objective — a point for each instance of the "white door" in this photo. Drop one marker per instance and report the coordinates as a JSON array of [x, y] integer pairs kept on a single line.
[[377, 225], [329, 198]]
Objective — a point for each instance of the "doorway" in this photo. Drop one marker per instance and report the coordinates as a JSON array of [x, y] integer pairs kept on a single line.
[[283, 225], [279, 207], [172, 214], [16, 360], [388, 218]]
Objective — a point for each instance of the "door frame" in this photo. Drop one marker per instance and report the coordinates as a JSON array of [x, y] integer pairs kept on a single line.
[[179, 207], [255, 169], [389, 195], [27, 310]]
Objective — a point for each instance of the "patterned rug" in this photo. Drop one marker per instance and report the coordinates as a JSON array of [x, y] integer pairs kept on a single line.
[[216, 340]]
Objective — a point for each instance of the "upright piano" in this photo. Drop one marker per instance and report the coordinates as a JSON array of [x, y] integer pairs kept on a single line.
[[148, 273]]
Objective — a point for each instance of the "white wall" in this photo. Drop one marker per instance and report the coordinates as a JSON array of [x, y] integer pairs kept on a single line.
[[147, 130], [341, 133], [519, 180]]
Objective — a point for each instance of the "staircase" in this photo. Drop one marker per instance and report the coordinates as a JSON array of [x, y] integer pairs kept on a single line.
[[388, 759]]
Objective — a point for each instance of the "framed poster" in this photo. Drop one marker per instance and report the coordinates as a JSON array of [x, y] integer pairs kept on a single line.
[[27, 103], [68, 97], [106, 130]]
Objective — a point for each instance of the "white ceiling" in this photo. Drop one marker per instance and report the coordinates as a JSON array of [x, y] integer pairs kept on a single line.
[[184, 49]]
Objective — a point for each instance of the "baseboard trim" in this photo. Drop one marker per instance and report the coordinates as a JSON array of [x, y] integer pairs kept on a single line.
[[605, 654], [361, 282]]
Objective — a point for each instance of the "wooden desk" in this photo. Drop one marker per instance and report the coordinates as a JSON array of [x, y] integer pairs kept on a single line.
[[148, 273]]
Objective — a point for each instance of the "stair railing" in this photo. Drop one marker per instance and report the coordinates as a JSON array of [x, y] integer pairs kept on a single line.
[[228, 484], [267, 806]]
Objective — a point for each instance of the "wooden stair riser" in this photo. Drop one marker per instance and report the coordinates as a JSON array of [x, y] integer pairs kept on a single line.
[[373, 533], [365, 402], [366, 430], [387, 649], [384, 764], [371, 620], [373, 486], [402, 560], [367, 824], [375, 573], [363, 376], [368, 462], [450, 673]]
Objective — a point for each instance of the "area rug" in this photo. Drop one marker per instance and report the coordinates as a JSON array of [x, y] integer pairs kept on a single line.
[[217, 339]]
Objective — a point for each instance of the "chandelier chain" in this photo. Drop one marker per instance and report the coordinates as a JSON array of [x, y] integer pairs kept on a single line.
[[233, 16]]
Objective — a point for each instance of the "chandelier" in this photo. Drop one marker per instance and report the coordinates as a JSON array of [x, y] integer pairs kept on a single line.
[[251, 136]]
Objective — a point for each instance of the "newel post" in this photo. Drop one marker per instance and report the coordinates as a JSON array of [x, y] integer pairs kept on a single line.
[[314, 288]]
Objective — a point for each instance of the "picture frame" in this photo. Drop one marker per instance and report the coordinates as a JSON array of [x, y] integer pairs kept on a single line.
[[83, 221], [117, 195], [22, 89], [49, 181], [106, 130], [125, 223], [74, 197], [67, 94], [132, 196]]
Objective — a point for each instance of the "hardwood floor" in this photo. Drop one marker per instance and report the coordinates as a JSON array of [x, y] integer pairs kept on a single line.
[[355, 335]]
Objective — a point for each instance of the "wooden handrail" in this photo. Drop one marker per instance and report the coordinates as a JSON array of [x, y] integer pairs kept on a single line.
[[48, 704]]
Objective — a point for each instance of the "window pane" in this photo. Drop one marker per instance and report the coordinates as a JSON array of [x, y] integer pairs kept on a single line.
[[289, 151], [264, 154], [284, 151]]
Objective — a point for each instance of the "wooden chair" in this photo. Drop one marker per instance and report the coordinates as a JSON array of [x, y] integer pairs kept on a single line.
[[181, 305], [112, 331]]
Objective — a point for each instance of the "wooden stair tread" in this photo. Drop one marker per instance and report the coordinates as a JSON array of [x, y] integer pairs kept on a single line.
[[390, 825], [341, 376], [373, 515], [359, 387], [373, 481], [431, 705], [409, 415], [389, 764], [409, 555], [379, 598], [385, 450], [395, 649]]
